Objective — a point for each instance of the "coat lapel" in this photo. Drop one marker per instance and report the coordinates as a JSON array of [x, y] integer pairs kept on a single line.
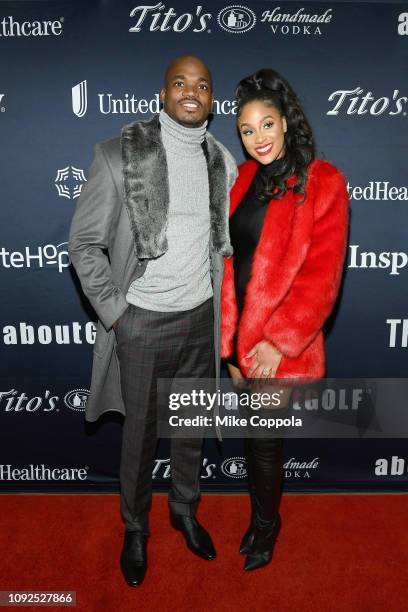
[[146, 186], [247, 172], [219, 196], [146, 189]]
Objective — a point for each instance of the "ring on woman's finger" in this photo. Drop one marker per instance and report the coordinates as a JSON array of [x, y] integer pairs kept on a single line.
[[266, 372]]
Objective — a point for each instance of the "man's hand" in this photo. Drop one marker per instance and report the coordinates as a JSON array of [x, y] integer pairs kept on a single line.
[[236, 375], [116, 323], [266, 360]]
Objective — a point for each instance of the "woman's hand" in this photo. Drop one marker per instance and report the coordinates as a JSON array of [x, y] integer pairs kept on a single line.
[[266, 360]]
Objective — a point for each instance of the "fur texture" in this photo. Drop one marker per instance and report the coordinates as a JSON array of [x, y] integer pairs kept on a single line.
[[295, 276], [146, 188]]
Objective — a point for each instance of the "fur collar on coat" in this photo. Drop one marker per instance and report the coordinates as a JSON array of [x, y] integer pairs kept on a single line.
[[147, 189]]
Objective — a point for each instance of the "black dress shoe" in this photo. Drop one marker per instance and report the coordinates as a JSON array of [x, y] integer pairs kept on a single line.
[[198, 540], [262, 548], [133, 560]]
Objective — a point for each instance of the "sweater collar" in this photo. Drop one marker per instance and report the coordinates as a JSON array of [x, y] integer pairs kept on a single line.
[[180, 134]]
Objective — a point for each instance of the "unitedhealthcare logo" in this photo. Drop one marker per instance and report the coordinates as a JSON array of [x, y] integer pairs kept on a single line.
[[128, 104], [80, 99], [42, 472]]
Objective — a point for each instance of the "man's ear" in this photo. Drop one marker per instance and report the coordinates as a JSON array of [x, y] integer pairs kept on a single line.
[[162, 94]]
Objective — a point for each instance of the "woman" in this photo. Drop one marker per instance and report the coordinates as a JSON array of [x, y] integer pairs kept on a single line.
[[288, 225]]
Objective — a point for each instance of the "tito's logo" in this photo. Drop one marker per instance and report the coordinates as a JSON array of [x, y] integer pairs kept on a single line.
[[236, 19], [161, 20], [76, 399], [234, 467]]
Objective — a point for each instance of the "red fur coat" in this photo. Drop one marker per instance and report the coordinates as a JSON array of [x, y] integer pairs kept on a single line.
[[295, 276]]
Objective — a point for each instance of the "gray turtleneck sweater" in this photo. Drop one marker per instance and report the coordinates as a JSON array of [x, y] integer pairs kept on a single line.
[[180, 279]]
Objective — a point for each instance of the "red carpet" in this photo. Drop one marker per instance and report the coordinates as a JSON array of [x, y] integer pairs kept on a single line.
[[334, 553]]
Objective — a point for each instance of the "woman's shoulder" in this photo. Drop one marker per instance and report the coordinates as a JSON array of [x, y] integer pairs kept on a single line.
[[247, 168], [246, 173], [321, 169], [328, 185]]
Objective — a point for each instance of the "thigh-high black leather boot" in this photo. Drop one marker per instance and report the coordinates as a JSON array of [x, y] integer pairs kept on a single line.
[[248, 537], [264, 458]]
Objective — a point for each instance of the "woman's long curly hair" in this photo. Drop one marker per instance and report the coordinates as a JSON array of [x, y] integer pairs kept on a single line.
[[269, 87]]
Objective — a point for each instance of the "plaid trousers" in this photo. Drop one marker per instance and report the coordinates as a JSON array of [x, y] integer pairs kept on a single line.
[[152, 345]]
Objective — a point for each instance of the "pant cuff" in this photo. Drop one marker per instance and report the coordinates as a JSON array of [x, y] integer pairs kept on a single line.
[[183, 508], [138, 523]]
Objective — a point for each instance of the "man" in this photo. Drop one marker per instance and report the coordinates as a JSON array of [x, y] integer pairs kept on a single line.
[[147, 241]]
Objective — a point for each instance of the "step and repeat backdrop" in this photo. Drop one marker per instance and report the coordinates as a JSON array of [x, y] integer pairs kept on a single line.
[[72, 74]]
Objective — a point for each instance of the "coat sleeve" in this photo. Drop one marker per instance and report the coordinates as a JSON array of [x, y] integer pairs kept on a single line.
[[300, 316], [229, 310], [94, 217]]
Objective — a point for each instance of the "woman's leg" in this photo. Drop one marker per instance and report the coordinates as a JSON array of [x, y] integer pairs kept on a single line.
[[264, 458]]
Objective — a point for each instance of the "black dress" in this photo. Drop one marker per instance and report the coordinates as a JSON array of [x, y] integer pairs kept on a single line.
[[245, 230]]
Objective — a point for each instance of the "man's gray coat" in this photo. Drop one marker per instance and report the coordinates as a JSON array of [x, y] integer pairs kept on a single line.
[[120, 223]]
